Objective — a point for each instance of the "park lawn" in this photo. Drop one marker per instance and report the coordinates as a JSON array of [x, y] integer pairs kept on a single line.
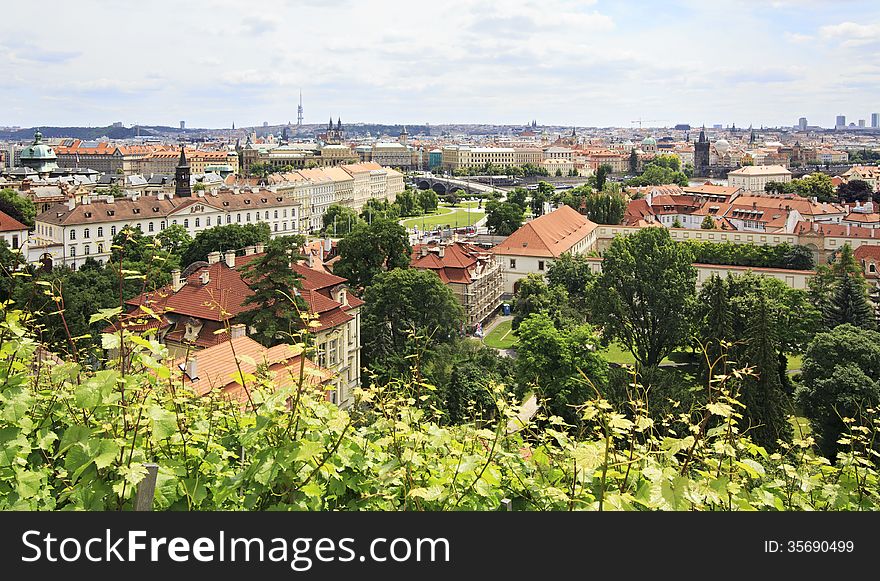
[[795, 362], [455, 219], [501, 337], [617, 353], [474, 204]]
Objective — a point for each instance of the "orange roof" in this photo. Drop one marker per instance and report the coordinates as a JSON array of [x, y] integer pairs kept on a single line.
[[549, 235], [10, 224], [217, 368]]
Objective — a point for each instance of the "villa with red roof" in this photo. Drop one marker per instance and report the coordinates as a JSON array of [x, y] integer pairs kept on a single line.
[[534, 247], [200, 304], [471, 272]]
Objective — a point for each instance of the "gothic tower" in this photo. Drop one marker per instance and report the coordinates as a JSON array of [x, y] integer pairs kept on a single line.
[[701, 155], [182, 187]]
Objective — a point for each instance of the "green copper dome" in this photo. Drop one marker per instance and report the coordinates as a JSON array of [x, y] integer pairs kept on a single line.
[[38, 151]]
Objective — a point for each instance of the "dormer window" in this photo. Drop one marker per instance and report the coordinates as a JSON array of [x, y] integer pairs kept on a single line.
[[225, 203], [247, 202], [111, 212], [136, 210], [155, 208], [88, 214], [264, 200]]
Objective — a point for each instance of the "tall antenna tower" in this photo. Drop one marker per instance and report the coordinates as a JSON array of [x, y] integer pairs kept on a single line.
[[299, 112]]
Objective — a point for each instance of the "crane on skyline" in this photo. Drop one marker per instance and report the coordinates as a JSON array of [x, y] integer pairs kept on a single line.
[[639, 121]]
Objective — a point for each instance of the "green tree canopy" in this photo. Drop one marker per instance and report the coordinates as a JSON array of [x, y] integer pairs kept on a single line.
[[17, 207], [605, 208], [223, 238], [407, 313], [840, 379], [371, 249], [503, 218], [276, 305], [645, 294], [518, 196], [559, 365], [174, 239], [339, 220]]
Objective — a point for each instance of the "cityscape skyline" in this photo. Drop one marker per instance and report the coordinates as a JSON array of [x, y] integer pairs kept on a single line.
[[565, 62]]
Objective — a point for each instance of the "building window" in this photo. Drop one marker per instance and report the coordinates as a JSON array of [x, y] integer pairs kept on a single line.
[[276, 214], [87, 249], [150, 227], [15, 241], [284, 225], [513, 263], [540, 265], [333, 352], [112, 230], [174, 222], [872, 268], [100, 249], [86, 233], [186, 222], [267, 214], [208, 221], [100, 231], [161, 225], [197, 223], [238, 217], [276, 227], [247, 217], [228, 218], [285, 213], [73, 234], [72, 251]]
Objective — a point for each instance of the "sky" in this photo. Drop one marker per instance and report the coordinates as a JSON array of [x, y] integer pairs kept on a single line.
[[561, 62]]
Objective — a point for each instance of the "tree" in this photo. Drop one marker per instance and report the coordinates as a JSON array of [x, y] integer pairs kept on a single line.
[[602, 173], [371, 249], [668, 161], [223, 238], [532, 296], [550, 361], [376, 209], [817, 185], [518, 196], [849, 304], [428, 201], [11, 261], [407, 313], [260, 170], [339, 220], [645, 294], [452, 198], [677, 223], [855, 190], [603, 208], [657, 175], [503, 218], [633, 162], [766, 405], [840, 379], [408, 204], [714, 329], [708, 223], [276, 305], [573, 273], [559, 172], [540, 196], [17, 207], [174, 239]]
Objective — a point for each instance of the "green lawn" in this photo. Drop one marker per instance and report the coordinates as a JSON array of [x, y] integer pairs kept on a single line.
[[617, 353], [454, 218], [474, 204], [795, 362], [501, 337]]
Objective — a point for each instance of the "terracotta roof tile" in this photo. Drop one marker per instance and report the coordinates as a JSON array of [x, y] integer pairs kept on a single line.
[[549, 235]]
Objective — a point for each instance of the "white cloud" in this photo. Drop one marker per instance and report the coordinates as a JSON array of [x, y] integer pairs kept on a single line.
[[797, 37], [852, 34]]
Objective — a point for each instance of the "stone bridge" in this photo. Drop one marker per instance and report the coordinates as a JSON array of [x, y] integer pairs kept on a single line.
[[445, 185]]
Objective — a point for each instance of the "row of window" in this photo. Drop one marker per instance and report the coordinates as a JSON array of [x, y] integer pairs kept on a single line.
[[198, 224]]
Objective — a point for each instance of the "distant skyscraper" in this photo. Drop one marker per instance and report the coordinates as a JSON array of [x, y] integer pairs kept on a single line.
[[841, 121], [299, 112], [861, 122], [183, 124], [717, 126], [265, 123], [875, 120], [802, 123]]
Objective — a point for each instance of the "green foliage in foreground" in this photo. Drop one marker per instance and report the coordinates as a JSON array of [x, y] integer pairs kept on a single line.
[[72, 439]]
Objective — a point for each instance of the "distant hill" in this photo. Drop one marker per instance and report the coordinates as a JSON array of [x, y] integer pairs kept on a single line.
[[90, 133]]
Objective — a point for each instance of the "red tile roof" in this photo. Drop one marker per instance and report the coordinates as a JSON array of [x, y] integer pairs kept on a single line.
[[549, 235], [10, 224]]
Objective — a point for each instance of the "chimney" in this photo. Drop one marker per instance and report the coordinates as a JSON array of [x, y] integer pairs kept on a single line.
[[311, 259], [328, 246], [86, 199], [442, 251], [191, 368], [71, 202], [259, 248], [229, 258], [213, 257], [848, 229], [175, 280], [111, 199], [205, 277], [160, 196], [423, 251], [249, 250], [237, 331]]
